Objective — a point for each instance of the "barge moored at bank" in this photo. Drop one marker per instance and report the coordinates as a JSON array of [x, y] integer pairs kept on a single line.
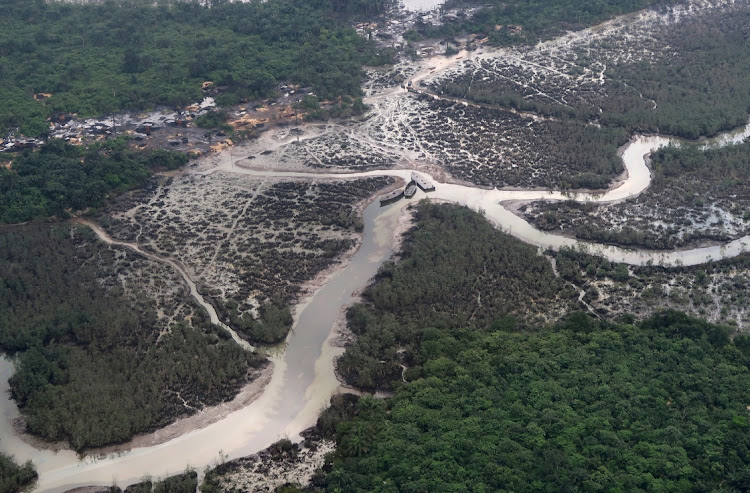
[[391, 197], [422, 183], [410, 190]]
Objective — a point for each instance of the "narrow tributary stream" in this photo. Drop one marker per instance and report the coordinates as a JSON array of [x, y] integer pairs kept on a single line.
[[303, 377], [489, 202]]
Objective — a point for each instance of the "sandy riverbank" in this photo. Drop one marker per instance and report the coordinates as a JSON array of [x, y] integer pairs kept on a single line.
[[341, 335]]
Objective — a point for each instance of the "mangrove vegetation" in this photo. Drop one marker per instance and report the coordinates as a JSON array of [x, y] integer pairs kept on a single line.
[[61, 177], [14, 478], [93, 366], [136, 54]]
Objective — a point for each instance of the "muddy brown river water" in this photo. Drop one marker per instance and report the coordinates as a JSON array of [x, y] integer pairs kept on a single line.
[[421, 5], [302, 382]]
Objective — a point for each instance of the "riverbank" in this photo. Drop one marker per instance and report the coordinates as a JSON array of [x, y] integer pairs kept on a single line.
[[284, 463], [308, 288], [698, 199], [301, 382], [489, 201], [472, 197]]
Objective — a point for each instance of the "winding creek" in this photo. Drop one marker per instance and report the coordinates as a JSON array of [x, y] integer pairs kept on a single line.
[[490, 203], [303, 377]]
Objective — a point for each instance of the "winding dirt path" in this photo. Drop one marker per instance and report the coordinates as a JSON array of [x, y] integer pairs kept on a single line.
[[176, 265]]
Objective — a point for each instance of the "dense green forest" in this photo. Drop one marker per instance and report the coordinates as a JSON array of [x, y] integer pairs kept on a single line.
[[60, 177], [13, 477], [136, 54], [92, 367], [539, 19], [580, 405], [270, 327], [456, 270]]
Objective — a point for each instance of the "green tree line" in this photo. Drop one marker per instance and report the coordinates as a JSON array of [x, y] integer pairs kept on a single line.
[[456, 270], [186, 482], [60, 177], [92, 367], [136, 54], [580, 406], [14, 478]]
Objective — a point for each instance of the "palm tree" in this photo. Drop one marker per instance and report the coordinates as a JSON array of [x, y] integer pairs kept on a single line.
[[357, 439]]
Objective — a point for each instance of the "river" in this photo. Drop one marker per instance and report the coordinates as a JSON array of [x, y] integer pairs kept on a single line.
[[422, 5], [638, 178], [303, 379]]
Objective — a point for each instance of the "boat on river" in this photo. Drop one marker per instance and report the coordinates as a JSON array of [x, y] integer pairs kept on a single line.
[[410, 190], [391, 197], [298, 390]]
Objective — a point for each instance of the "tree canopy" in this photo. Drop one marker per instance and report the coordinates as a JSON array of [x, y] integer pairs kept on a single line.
[[93, 367], [13, 477], [60, 176], [581, 406]]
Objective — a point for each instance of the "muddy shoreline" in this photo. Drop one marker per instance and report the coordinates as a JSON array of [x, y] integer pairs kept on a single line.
[[514, 206], [308, 289], [480, 198], [340, 333], [274, 466]]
